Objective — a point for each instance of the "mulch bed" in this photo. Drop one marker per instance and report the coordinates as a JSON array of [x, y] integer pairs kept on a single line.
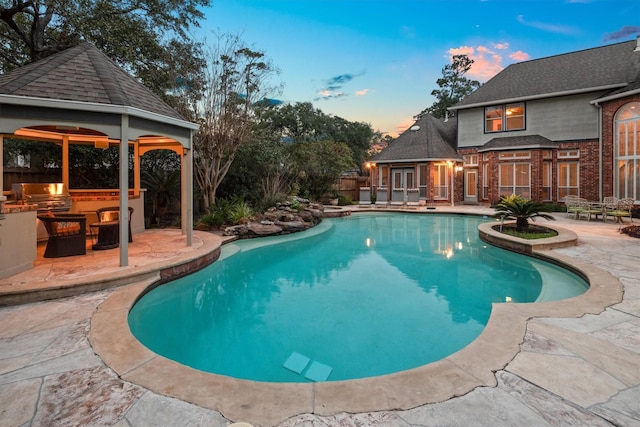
[[631, 230], [532, 228]]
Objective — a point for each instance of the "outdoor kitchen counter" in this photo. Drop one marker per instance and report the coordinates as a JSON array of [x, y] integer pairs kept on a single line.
[[18, 243], [14, 208]]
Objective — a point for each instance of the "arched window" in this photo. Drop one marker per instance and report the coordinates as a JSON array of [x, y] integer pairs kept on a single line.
[[627, 152]]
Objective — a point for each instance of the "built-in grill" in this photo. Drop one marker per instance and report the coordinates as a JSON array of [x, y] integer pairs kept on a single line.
[[47, 196]]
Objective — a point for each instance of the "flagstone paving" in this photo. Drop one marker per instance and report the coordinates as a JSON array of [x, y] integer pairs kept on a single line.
[[569, 371]]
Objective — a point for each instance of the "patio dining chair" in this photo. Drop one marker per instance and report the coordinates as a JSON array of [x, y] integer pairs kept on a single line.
[[622, 209], [609, 204], [572, 204]]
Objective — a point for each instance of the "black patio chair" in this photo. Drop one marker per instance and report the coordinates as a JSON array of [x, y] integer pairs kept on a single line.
[[113, 214], [67, 234]]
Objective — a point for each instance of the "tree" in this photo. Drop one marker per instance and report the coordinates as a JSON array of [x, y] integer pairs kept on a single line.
[[140, 35], [453, 86], [236, 79], [522, 210]]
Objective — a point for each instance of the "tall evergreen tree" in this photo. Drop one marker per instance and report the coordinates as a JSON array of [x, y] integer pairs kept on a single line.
[[453, 86]]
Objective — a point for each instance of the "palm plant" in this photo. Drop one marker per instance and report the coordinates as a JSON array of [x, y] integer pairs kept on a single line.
[[522, 210]]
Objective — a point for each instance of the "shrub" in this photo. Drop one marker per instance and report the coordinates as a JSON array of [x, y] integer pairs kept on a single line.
[[240, 212], [230, 212], [344, 200], [210, 220], [522, 210]]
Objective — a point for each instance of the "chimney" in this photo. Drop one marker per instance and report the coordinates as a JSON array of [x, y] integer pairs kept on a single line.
[[637, 49]]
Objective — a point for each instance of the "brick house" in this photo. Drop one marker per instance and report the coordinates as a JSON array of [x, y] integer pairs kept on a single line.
[[421, 159], [563, 125], [551, 127]]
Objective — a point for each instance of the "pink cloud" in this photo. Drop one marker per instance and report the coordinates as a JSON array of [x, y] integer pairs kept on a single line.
[[462, 50], [519, 55], [487, 62], [362, 92]]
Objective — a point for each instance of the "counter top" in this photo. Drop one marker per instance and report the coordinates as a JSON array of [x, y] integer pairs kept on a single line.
[[9, 209]]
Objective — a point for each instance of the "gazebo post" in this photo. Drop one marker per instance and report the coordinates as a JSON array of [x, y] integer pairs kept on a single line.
[[124, 190], [2, 197], [65, 161], [187, 192]]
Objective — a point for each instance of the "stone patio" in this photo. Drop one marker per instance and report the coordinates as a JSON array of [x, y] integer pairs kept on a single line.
[[581, 371]]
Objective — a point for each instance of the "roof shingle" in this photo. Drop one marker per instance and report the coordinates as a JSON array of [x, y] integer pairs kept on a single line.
[[434, 139], [599, 67], [84, 74]]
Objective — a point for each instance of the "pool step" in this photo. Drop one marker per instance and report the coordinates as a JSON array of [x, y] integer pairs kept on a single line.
[[317, 371]]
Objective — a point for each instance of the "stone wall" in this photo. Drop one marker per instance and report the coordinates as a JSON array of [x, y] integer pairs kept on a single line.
[[288, 217]]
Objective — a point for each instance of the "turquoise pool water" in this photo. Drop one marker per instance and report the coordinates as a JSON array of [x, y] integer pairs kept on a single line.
[[355, 297]]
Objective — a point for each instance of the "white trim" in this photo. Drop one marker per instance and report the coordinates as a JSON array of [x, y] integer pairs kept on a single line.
[[537, 96], [616, 96], [517, 147], [95, 107], [400, 161]]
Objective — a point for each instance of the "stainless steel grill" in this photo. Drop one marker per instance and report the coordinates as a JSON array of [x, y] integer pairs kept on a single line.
[[47, 196]]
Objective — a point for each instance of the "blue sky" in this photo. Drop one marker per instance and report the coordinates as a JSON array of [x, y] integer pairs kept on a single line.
[[377, 61]]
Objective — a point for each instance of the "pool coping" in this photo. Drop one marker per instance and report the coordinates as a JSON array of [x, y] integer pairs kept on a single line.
[[271, 403]]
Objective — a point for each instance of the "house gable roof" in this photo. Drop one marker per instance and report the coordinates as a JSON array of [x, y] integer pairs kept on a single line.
[[601, 68], [427, 140], [85, 74]]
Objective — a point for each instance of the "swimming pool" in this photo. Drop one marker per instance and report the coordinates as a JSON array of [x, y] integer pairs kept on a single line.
[[360, 296]]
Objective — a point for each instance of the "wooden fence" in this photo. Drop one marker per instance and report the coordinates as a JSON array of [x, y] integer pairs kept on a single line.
[[349, 186]]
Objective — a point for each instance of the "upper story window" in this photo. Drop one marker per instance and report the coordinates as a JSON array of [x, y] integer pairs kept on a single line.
[[499, 118]]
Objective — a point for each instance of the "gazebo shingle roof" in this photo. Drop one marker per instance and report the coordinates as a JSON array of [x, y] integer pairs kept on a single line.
[[433, 140], [605, 66], [84, 74]]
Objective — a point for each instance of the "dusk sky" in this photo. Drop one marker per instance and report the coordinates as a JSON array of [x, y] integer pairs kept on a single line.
[[377, 61]]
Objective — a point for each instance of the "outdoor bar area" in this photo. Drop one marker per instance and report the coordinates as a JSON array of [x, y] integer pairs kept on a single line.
[[44, 103]]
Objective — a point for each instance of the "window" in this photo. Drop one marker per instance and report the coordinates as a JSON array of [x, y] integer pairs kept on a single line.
[[470, 160], [515, 179], [485, 181], [439, 179], [627, 152], [546, 154], [506, 117], [384, 176], [569, 154], [546, 181], [568, 179], [397, 179], [508, 155], [422, 180]]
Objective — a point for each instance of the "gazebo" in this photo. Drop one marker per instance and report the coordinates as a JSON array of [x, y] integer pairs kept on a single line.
[[80, 96]]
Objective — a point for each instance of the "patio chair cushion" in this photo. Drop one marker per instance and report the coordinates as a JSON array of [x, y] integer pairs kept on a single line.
[[62, 226]]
